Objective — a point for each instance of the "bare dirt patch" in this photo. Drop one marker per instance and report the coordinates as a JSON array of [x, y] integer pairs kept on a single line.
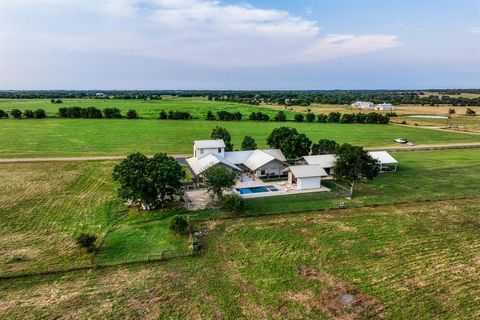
[[339, 300]]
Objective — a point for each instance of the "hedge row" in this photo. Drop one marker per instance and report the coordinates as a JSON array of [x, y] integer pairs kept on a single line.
[[28, 114]]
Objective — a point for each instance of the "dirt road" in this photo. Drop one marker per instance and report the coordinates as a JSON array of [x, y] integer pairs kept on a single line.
[[181, 157]]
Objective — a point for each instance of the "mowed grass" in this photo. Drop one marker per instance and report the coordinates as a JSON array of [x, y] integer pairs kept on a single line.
[[79, 137], [392, 262], [197, 106], [421, 175], [44, 206]]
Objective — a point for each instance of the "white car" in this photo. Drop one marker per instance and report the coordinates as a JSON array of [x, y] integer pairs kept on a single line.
[[400, 140], [411, 143]]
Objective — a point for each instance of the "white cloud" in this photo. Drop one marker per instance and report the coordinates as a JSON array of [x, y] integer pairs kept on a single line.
[[474, 29], [204, 32]]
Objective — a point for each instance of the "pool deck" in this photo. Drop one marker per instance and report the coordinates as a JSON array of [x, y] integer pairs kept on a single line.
[[284, 188]]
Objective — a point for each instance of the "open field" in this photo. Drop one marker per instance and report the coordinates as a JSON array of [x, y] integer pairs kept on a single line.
[[44, 206], [80, 137], [394, 262], [197, 107]]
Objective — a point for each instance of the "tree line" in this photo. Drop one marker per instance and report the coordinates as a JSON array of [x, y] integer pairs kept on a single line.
[[287, 98], [27, 114]]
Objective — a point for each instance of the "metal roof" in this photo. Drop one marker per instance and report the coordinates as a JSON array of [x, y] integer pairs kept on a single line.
[[307, 171], [209, 144], [325, 160], [198, 166], [254, 159], [383, 157]]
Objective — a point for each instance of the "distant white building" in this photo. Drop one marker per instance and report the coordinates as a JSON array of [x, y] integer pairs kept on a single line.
[[363, 105], [384, 107]]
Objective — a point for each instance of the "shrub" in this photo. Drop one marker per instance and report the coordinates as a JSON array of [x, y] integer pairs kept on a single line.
[[310, 117], [299, 117], [28, 114], [132, 114], [3, 114], [280, 116], [322, 118], [249, 143], [178, 115], [39, 114], [210, 116], [87, 241], [162, 115], [334, 117], [15, 113], [112, 113], [232, 203], [259, 116], [179, 225], [91, 113], [470, 112]]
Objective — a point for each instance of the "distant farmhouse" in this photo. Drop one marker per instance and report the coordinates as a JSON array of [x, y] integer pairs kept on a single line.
[[253, 166], [365, 105]]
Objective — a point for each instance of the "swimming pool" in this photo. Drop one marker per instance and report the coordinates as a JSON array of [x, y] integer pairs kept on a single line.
[[251, 190]]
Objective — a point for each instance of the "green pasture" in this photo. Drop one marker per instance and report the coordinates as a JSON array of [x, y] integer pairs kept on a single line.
[[81, 137]]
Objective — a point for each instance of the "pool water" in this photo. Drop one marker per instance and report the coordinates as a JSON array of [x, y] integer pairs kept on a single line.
[[261, 189]]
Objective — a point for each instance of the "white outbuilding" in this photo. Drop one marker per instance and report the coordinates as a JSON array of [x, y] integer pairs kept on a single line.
[[306, 177], [386, 161], [385, 107]]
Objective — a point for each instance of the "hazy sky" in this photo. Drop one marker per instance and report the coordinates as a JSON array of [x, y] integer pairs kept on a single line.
[[229, 44]]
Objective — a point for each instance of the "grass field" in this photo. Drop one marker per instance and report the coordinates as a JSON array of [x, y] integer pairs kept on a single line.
[[79, 137], [197, 107], [394, 262], [44, 206]]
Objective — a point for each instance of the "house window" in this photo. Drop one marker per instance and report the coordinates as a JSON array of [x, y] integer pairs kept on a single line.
[[262, 172], [219, 150]]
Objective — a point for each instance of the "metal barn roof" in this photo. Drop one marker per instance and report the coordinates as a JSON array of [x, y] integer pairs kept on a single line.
[[200, 165], [209, 144], [307, 171], [325, 160], [383, 157]]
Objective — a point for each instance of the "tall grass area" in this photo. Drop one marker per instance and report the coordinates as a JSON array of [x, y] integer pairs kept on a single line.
[[83, 137], [392, 262], [44, 206]]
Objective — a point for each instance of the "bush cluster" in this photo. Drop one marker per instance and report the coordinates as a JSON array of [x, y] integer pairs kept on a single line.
[[174, 115], [232, 203], [78, 112], [369, 118], [259, 116], [179, 225], [228, 116], [87, 241], [28, 114]]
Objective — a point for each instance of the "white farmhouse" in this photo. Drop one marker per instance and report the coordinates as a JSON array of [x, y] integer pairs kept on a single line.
[[384, 107], [363, 105], [261, 163], [306, 177]]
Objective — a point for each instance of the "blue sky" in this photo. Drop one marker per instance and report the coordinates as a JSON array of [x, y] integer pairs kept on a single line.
[[206, 44]]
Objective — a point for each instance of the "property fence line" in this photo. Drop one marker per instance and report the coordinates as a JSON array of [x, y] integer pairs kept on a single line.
[[148, 258]]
